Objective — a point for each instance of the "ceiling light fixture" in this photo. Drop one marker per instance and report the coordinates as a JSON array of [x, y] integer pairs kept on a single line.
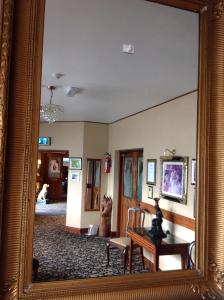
[[50, 112], [170, 152]]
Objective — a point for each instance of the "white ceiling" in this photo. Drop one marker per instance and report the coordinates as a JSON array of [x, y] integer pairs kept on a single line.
[[83, 40]]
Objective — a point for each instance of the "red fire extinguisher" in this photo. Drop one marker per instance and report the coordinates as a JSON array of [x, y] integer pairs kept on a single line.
[[107, 162]]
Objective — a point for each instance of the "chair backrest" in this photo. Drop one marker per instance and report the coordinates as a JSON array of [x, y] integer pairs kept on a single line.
[[136, 217]]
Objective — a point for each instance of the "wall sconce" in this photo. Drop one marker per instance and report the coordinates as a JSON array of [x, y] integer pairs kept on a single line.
[[168, 152]]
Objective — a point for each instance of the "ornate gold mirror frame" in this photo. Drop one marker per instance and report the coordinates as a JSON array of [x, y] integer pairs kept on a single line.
[[21, 36]]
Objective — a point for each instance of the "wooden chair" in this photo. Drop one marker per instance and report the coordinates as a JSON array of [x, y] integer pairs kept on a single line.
[[136, 218], [191, 255]]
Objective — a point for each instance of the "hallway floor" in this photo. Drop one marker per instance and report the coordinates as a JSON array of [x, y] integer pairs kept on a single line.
[[63, 255], [53, 209]]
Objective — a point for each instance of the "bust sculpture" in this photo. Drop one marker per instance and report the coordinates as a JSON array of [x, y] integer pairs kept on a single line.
[[156, 231]]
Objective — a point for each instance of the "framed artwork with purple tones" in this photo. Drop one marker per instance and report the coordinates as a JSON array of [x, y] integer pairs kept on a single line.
[[174, 178]]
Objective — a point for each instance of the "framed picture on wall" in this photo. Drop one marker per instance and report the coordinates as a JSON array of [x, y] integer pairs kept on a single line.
[[150, 192], [75, 177], [75, 163], [54, 167], [151, 171], [174, 178], [193, 171]]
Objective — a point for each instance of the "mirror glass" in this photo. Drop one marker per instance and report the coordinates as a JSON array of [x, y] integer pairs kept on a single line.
[[118, 127]]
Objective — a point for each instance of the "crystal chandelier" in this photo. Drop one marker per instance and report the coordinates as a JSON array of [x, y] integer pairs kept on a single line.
[[51, 112]]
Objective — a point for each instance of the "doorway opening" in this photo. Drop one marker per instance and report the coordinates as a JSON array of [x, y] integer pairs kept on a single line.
[[52, 169]]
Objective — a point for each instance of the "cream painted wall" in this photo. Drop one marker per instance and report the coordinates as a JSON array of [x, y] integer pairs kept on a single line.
[[68, 136], [86, 140], [64, 136], [171, 125], [95, 145]]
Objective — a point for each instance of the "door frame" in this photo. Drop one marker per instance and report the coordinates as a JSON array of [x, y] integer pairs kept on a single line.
[[100, 184], [49, 151]]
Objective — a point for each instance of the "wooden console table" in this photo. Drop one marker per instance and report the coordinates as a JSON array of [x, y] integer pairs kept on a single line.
[[168, 246]]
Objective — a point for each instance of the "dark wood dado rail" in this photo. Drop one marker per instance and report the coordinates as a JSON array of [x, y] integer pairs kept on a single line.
[[171, 216]]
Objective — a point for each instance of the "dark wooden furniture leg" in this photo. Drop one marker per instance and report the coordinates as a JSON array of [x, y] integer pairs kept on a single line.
[[125, 253], [130, 255], [184, 259], [108, 253], [156, 262], [143, 261]]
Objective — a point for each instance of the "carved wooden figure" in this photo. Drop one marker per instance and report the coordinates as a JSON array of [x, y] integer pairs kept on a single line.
[[105, 222]]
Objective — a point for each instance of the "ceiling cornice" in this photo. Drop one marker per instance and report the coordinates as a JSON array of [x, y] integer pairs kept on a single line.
[[191, 5]]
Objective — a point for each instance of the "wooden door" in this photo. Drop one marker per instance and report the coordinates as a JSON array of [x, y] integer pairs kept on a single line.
[[130, 185], [93, 183]]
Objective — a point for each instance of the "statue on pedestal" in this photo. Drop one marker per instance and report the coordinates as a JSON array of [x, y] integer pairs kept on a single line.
[[156, 231]]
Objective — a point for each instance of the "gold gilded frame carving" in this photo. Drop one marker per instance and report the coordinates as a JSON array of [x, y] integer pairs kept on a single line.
[[22, 96]]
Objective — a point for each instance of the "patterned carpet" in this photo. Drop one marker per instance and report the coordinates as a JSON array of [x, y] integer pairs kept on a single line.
[[52, 209], [63, 255]]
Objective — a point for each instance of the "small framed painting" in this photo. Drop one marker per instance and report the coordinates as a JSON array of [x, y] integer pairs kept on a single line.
[[193, 171], [75, 176], [75, 163], [54, 167], [151, 171], [150, 192]]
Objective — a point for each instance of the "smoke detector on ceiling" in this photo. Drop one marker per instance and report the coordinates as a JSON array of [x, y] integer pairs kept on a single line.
[[70, 91], [128, 48], [57, 75]]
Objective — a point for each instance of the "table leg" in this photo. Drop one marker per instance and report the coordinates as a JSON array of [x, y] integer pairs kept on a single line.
[[156, 262], [142, 256], [130, 255], [184, 259]]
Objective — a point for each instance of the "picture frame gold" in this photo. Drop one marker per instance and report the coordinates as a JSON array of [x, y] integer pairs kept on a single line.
[[174, 178], [19, 122], [193, 171]]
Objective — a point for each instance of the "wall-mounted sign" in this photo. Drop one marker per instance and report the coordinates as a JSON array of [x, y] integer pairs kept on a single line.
[[44, 140]]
